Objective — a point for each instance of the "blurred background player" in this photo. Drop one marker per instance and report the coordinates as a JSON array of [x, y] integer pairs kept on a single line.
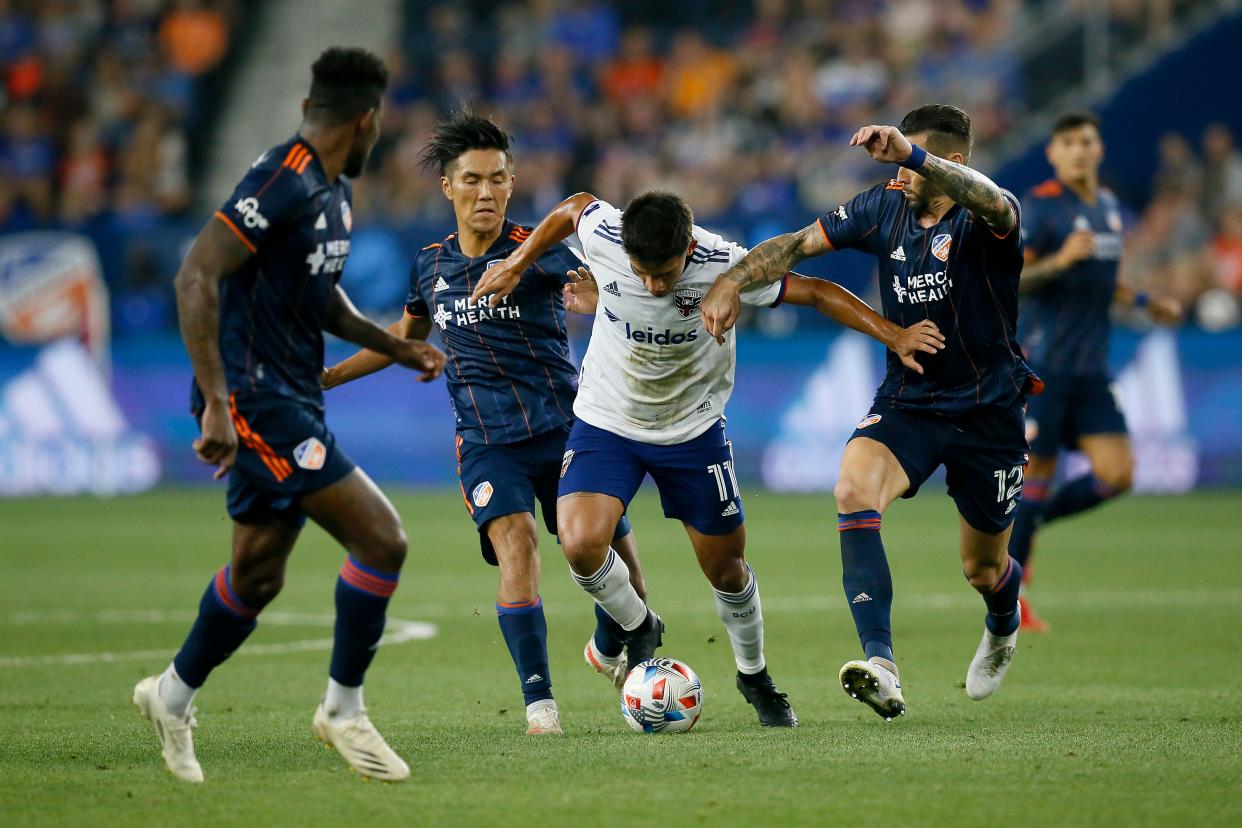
[[255, 293], [948, 236], [1073, 236], [512, 385], [652, 401]]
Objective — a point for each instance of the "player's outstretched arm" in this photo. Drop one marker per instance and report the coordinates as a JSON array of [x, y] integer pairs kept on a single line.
[[1163, 310], [969, 188], [1039, 271], [838, 304], [499, 281], [216, 254], [345, 321], [766, 263], [367, 361]]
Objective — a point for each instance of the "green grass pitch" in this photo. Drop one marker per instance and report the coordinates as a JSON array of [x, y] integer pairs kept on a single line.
[[1125, 713]]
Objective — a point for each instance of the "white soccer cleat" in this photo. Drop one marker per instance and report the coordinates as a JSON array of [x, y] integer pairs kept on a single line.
[[612, 669], [361, 745], [987, 668], [543, 719], [874, 685], [175, 732]]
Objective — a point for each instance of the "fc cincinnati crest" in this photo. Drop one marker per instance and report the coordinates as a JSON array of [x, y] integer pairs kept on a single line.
[[569, 458], [869, 420], [482, 494], [940, 246], [687, 300], [347, 216]]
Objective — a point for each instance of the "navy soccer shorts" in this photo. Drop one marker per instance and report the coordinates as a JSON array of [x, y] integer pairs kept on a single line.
[[984, 455], [696, 479], [1071, 407], [507, 478], [285, 451]]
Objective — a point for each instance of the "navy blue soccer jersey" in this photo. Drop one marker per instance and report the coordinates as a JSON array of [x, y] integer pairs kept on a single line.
[[297, 224], [1065, 324], [961, 275], [509, 372]]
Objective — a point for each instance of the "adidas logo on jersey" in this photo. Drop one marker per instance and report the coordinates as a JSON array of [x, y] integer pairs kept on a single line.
[[861, 598], [898, 255], [612, 288], [440, 285], [321, 223], [730, 510]]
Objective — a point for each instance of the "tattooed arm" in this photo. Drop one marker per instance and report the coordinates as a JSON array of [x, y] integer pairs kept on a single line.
[[969, 188], [764, 264]]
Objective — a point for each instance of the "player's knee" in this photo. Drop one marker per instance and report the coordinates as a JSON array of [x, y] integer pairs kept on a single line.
[[1117, 476], [729, 575], [853, 494], [386, 548], [258, 587], [982, 575]]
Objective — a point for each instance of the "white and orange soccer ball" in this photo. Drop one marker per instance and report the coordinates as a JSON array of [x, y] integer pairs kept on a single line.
[[661, 695]]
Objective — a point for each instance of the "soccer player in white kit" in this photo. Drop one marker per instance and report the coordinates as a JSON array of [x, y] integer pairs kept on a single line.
[[651, 400]]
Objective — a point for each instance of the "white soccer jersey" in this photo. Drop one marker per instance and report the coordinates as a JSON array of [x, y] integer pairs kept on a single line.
[[651, 372]]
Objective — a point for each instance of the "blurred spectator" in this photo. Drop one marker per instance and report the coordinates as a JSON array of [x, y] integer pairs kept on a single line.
[[194, 37], [1227, 252], [1222, 170]]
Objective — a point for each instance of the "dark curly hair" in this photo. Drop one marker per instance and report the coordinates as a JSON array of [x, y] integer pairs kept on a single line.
[[346, 82]]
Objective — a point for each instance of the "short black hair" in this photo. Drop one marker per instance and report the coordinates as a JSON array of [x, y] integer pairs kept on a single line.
[[947, 128], [459, 133], [1074, 119], [346, 82], [655, 227]]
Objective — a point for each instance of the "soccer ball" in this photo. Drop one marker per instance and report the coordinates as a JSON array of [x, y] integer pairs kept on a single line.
[[661, 695]]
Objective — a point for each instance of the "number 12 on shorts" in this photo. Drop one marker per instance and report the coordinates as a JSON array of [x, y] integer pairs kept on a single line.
[[724, 475], [1008, 484]]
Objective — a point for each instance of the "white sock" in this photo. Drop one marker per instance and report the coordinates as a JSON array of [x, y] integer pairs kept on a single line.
[[174, 692], [742, 615], [341, 702], [610, 587]]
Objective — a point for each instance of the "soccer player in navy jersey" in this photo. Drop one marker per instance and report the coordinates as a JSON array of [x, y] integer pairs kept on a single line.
[[512, 386], [1072, 232], [254, 295], [947, 242]]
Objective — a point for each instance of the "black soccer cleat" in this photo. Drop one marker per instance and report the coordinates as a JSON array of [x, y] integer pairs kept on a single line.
[[771, 704], [642, 641]]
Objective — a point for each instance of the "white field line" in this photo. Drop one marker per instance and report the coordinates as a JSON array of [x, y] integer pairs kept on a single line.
[[397, 631]]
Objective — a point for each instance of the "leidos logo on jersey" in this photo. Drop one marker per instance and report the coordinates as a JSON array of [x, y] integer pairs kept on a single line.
[[664, 337]]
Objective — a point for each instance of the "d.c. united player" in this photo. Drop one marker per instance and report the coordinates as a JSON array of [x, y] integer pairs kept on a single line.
[[946, 239], [512, 385], [652, 401], [254, 295], [1072, 232]]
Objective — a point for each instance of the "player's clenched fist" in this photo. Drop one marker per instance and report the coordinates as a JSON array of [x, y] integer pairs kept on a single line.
[[1078, 245], [720, 307], [581, 293], [922, 337], [499, 281], [427, 359], [883, 143], [217, 443]]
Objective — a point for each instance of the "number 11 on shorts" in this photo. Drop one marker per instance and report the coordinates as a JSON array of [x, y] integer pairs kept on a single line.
[[724, 474]]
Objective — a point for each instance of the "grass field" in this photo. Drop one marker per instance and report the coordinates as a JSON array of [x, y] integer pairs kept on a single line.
[[1126, 713]]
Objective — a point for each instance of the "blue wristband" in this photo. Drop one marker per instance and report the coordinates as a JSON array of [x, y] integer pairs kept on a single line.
[[1141, 299], [918, 155]]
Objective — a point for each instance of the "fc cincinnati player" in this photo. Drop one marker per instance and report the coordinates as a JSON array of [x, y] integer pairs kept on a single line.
[[947, 242], [1072, 232], [512, 385], [255, 294], [651, 400]]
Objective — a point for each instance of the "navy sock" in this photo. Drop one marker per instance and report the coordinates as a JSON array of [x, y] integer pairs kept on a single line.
[[1002, 600], [224, 621], [1079, 495], [867, 581], [609, 635], [1029, 518], [362, 595], [526, 632]]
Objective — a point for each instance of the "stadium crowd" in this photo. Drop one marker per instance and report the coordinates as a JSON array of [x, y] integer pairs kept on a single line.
[[747, 117]]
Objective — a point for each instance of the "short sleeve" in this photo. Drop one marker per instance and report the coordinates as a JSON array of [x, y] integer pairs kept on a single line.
[[851, 225], [1013, 237], [600, 223], [265, 199], [415, 306], [769, 295]]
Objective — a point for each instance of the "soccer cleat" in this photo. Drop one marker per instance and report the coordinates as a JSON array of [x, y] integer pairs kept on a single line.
[[1030, 621], [361, 745], [771, 704], [643, 641], [874, 685], [612, 669], [175, 732], [543, 719], [988, 667]]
